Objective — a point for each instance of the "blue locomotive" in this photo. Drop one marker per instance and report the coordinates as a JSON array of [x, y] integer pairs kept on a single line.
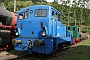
[[39, 29]]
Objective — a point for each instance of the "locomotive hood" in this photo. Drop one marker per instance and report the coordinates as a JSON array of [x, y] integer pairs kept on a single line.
[[5, 16], [5, 13]]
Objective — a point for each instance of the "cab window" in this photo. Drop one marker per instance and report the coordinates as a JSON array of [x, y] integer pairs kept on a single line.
[[74, 28], [23, 15], [59, 17], [78, 29], [53, 14], [56, 16], [68, 28], [40, 13], [26, 14]]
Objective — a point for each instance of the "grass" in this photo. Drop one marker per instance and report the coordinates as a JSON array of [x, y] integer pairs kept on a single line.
[[79, 52]]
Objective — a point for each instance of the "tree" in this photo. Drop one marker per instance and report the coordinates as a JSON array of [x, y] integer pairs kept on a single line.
[[35, 1]]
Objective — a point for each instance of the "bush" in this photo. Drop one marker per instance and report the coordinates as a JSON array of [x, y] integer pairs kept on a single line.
[[84, 31]]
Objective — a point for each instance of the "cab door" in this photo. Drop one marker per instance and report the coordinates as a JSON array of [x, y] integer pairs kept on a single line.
[[53, 23]]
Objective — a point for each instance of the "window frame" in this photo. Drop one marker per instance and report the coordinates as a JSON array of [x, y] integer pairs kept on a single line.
[[23, 15]]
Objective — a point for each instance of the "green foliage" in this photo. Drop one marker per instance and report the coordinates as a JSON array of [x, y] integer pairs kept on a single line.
[[84, 31], [19, 5], [10, 6]]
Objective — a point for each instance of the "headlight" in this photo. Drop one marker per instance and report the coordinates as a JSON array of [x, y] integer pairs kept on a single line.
[[16, 33], [44, 33]]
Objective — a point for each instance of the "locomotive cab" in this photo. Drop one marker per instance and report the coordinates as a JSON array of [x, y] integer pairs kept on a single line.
[[38, 20], [74, 30]]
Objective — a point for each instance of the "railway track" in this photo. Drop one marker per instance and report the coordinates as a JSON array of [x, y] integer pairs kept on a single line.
[[52, 56], [18, 55]]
